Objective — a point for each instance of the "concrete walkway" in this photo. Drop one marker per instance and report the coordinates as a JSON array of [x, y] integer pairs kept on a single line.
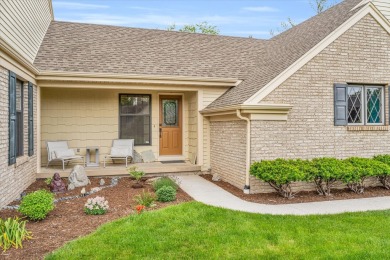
[[211, 194]]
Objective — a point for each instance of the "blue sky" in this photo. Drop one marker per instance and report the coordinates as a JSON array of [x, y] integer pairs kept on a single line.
[[232, 17]]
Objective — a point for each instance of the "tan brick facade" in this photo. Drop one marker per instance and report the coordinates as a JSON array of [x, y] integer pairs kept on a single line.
[[362, 55], [15, 178], [228, 151]]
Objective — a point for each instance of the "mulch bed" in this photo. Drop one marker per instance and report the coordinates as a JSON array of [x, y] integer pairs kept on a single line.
[[68, 220], [301, 197]]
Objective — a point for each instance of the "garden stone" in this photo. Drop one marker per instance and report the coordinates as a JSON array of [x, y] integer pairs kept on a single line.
[[216, 177], [78, 177], [137, 157], [148, 156], [102, 182], [96, 189], [57, 184]]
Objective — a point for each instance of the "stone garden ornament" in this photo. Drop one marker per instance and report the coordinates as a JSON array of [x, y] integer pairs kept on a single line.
[[57, 185], [78, 178]]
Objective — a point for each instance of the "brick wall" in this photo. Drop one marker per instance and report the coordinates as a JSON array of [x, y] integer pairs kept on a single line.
[[362, 54], [15, 178], [228, 151]]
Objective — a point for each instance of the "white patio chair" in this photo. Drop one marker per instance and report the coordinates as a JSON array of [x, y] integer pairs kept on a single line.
[[59, 151], [121, 149]]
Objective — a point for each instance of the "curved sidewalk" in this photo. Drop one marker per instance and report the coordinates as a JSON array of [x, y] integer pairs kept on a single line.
[[211, 194]]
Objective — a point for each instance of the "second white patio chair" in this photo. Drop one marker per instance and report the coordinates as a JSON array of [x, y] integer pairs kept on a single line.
[[121, 149]]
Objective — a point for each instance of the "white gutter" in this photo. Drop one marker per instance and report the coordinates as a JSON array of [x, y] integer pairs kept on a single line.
[[248, 150]]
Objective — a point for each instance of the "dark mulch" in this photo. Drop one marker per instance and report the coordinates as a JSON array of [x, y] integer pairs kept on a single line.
[[68, 220], [300, 197]]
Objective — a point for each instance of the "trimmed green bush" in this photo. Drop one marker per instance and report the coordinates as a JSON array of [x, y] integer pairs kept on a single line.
[[328, 171], [384, 178], [280, 174], [164, 181], [166, 194], [362, 168], [37, 205]]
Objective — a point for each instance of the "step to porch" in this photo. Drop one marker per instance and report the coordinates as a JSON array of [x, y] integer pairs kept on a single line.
[[151, 169]]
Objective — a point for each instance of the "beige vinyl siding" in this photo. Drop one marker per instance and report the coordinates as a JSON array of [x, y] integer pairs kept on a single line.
[[91, 118], [209, 95], [383, 6], [23, 25]]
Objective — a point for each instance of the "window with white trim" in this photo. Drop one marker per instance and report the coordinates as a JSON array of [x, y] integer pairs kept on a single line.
[[365, 105]]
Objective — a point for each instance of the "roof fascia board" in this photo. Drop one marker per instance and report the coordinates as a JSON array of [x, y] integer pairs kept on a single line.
[[12, 56], [249, 109], [136, 78], [361, 4], [277, 81]]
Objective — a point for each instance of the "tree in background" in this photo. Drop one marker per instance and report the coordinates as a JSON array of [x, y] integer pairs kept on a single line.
[[203, 27], [318, 6]]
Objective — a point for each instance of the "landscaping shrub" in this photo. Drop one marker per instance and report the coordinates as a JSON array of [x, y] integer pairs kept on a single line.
[[280, 174], [12, 233], [384, 178], [328, 171], [137, 175], [145, 198], [96, 206], [37, 205], [166, 194], [164, 181], [361, 169]]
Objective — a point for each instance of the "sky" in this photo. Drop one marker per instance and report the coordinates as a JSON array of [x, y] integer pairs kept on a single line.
[[243, 18]]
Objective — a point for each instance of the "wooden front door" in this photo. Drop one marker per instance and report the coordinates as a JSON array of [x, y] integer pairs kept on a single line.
[[171, 125]]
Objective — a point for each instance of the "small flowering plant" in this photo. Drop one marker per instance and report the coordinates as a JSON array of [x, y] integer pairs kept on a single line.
[[96, 206], [140, 208]]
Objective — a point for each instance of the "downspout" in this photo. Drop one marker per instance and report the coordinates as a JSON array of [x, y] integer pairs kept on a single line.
[[248, 150]]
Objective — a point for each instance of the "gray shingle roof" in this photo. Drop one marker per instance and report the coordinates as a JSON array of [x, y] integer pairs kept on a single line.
[[75, 47]]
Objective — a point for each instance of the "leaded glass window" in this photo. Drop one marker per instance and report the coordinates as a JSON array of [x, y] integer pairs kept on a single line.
[[135, 116], [365, 105], [170, 112]]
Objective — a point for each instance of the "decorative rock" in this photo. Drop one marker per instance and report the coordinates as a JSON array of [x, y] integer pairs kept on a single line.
[[71, 186], [57, 184], [137, 157], [96, 189], [102, 182], [216, 177], [78, 177], [148, 156]]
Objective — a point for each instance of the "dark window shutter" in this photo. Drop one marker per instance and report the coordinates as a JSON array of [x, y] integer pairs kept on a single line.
[[340, 104], [30, 119], [12, 118]]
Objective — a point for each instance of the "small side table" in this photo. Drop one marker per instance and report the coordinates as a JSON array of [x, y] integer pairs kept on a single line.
[[90, 151]]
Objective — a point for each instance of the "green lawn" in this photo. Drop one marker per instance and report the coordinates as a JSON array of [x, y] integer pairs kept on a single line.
[[197, 231]]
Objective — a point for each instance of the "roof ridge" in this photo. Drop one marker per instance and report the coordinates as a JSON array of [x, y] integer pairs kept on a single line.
[[161, 30]]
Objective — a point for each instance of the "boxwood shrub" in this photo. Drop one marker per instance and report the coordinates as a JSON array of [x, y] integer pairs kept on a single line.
[[280, 174], [37, 205], [384, 178]]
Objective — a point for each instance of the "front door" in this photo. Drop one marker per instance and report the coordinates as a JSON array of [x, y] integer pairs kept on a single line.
[[171, 125]]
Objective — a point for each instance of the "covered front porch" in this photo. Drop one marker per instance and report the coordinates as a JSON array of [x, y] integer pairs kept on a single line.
[[163, 120]]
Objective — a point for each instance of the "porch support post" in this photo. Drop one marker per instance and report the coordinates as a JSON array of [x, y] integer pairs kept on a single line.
[[38, 132], [200, 130]]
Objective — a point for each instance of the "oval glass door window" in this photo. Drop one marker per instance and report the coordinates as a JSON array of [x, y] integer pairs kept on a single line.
[[170, 112]]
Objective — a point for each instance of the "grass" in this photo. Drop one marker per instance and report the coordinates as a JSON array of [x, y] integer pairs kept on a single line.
[[196, 231]]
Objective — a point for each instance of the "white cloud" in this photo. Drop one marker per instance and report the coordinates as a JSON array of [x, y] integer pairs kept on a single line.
[[261, 9], [77, 6]]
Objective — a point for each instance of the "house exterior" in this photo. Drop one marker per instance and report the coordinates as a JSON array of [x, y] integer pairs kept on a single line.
[[318, 89]]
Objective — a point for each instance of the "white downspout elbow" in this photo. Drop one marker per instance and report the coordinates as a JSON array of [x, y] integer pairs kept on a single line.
[[248, 150]]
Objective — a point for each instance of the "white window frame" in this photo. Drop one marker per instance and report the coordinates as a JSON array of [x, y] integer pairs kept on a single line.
[[364, 105]]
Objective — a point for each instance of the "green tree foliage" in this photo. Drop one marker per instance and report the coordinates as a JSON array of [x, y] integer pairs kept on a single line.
[[203, 27]]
